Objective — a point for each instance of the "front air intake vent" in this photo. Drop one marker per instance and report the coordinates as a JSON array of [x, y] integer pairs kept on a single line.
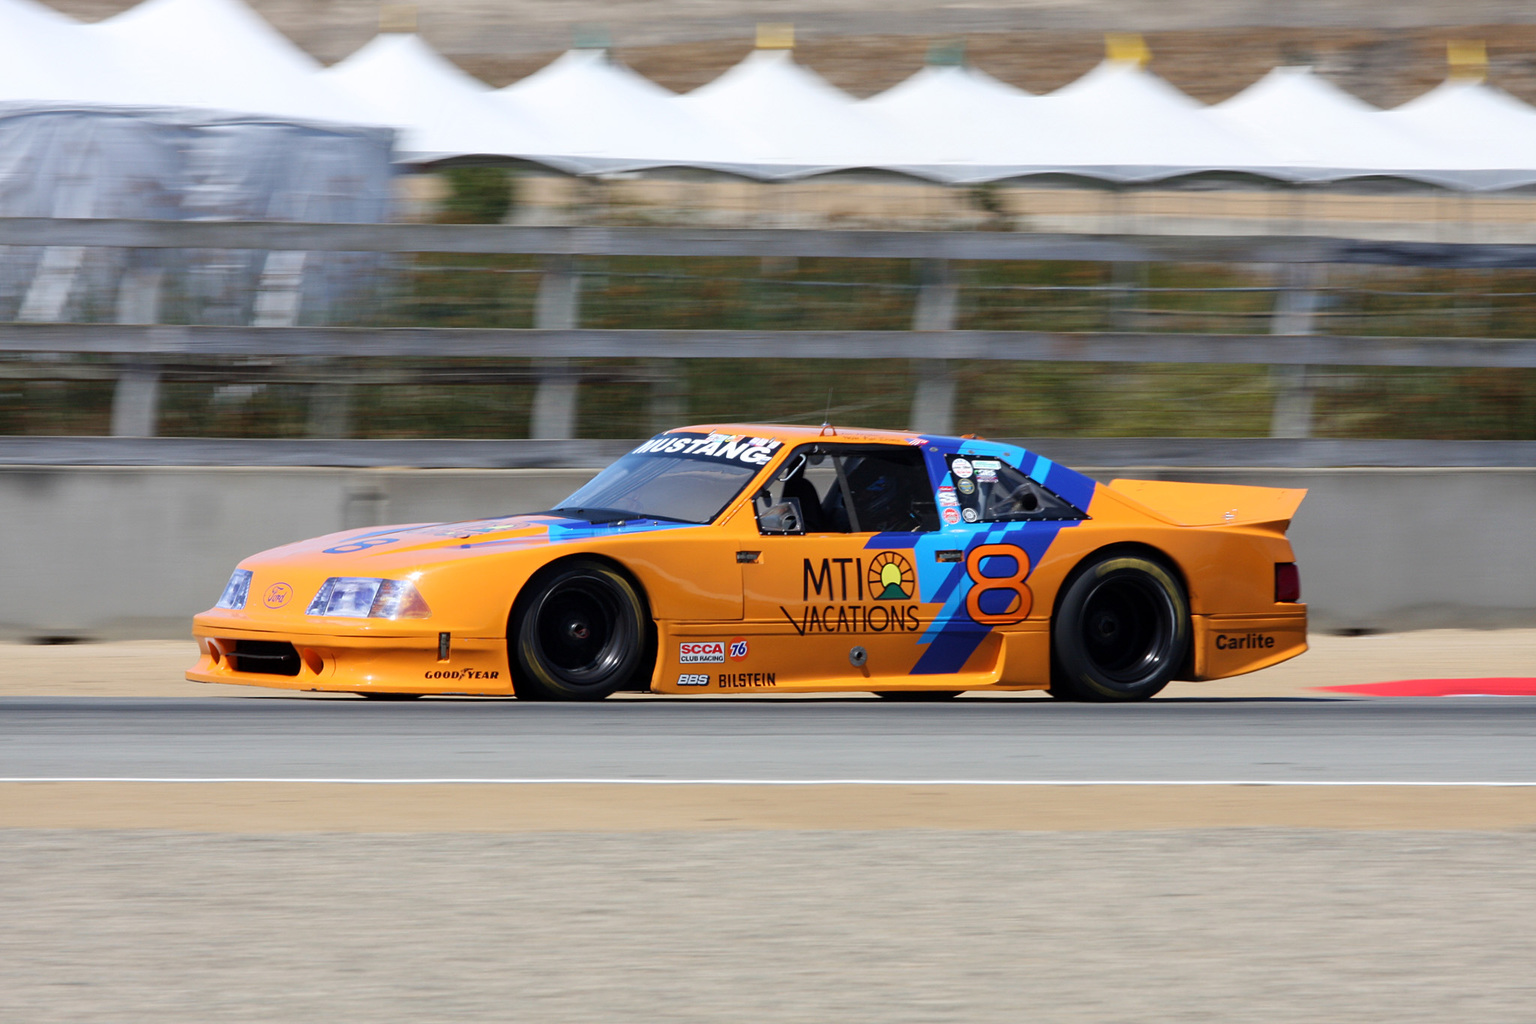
[[266, 657]]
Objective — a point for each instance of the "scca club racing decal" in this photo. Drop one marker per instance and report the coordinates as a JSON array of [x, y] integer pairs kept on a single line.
[[710, 652], [874, 595], [751, 451]]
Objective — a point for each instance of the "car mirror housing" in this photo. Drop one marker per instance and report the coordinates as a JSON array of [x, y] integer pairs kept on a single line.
[[785, 517]]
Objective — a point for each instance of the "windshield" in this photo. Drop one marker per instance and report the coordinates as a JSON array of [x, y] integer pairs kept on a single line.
[[686, 478]]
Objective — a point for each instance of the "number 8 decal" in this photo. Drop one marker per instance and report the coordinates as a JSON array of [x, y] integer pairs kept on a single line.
[[1010, 583]]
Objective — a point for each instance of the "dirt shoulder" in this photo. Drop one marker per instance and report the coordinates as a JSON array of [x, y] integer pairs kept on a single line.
[[154, 668], [280, 807]]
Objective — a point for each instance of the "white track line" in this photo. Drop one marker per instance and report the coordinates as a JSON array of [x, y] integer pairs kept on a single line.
[[761, 782]]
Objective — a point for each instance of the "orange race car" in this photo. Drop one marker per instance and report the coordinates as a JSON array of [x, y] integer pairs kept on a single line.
[[750, 558]]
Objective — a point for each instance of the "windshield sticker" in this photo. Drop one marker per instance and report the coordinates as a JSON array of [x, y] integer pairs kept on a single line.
[[751, 451], [961, 468]]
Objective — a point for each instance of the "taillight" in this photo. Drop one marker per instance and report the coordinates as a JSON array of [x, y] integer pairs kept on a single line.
[[1287, 582]]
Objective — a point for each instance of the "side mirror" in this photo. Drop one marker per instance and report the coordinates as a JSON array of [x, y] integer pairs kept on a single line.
[[784, 517]]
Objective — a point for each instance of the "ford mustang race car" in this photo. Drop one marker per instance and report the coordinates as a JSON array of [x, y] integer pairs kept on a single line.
[[750, 558]]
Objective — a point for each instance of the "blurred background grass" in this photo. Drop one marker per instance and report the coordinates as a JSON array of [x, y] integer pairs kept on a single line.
[[619, 398]]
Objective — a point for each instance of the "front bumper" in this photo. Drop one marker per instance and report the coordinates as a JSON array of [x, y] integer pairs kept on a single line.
[[351, 664]]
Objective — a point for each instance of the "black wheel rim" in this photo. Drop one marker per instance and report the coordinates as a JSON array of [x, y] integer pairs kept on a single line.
[[580, 630], [1128, 632]]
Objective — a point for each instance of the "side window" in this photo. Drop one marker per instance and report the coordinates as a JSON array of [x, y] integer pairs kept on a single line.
[[889, 488], [990, 491]]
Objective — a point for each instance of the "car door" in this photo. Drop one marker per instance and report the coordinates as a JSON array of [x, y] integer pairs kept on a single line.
[[833, 587]]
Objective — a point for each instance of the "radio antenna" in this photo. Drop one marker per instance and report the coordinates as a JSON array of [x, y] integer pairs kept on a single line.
[[826, 422]]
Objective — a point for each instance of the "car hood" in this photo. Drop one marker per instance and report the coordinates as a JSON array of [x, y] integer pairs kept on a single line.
[[497, 533]]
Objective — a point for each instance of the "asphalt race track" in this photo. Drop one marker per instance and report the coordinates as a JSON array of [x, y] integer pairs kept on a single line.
[[1438, 740]]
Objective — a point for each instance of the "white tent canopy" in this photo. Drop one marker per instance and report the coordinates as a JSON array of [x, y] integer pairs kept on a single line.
[[788, 120], [1122, 123], [767, 117], [219, 54], [1485, 134], [47, 57], [957, 124], [609, 119], [1319, 132], [442, 112]]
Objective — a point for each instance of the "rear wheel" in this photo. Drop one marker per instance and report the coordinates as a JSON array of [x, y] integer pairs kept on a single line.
[[1121, 631], [578, 632]]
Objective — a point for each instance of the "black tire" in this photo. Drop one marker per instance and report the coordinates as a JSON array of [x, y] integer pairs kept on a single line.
[[578, 632], [917, 694], [379, 695], [1121, 630]]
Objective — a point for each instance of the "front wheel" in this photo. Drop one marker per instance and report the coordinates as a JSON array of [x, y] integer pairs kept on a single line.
[[1121, 631], [578, 632]]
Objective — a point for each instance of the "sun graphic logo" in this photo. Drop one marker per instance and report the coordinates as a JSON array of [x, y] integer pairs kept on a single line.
[[891, 577]]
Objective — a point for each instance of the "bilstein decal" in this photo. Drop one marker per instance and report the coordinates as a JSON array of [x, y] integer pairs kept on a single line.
[[747, 680]]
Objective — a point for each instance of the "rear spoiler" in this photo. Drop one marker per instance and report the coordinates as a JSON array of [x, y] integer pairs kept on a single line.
[[1213, 504]]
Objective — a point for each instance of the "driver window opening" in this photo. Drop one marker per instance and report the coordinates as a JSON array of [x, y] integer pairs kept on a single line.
[[830, 489]]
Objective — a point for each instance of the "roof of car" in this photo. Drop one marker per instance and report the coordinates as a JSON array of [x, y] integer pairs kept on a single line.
[[791, 433]]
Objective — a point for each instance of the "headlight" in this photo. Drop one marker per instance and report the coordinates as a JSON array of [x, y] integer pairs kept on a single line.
[[361, 597], [235, 590]]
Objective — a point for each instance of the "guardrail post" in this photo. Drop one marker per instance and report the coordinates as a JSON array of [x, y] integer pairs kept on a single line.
[[52, 281], [136, 400], [1295, 303], [937, 309], [557, 308]]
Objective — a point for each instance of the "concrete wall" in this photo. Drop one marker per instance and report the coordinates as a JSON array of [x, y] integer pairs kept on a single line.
[[136, 551]]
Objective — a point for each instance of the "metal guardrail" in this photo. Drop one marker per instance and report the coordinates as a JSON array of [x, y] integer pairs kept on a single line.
[[144, 354], [1081, 453], [148, 342], [668, 241]]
